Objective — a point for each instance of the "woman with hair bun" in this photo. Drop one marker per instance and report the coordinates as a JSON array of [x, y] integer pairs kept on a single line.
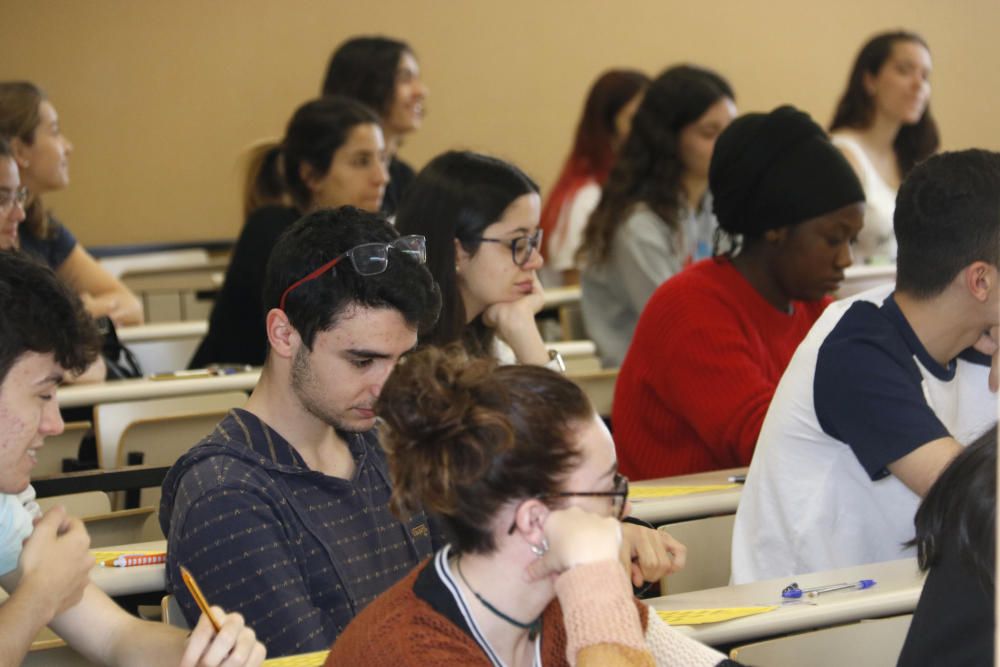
[[523, 475], [332, 155], [884, 127], [714, 340], [603, 128], [655, 214]]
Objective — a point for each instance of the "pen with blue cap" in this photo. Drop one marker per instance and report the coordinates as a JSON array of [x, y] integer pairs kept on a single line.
[[793, 591]]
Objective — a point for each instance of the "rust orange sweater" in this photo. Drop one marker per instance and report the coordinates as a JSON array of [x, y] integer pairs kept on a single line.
[[696, 383]]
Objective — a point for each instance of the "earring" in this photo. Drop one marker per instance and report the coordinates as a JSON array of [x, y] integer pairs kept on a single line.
[[540, 550]]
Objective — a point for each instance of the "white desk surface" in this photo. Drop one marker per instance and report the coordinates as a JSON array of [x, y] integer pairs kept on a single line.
[[690, 506], [560, 296], [897, 588], [163, 331], [129, 580], [142, 388]]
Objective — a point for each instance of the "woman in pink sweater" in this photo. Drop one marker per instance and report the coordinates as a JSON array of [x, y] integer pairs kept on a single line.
[[523, 474], [713, 341]]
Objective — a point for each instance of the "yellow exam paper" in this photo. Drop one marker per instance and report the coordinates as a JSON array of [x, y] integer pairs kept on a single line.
[[648, 492], [699, 616], [101, 556], [302, 660]]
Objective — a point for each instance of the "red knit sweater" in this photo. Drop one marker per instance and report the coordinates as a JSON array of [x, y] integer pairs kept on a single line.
[[705, 359]]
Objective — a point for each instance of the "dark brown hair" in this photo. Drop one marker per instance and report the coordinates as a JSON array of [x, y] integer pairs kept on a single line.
[[649, 168], [465, 437], [19, 118], [856, 109], [315, 132]]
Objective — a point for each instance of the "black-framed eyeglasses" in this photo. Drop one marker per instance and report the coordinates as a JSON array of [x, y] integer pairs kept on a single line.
[[520, 247], [368, 259], [618, 494], [11, 197]]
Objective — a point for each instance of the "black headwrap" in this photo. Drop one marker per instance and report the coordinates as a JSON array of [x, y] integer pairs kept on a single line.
[[777, 169]]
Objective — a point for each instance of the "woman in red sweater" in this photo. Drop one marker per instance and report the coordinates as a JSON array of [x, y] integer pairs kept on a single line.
[[713, 341], [523, 475]]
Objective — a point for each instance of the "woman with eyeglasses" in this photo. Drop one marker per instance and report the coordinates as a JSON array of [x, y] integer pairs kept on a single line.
[[480, 216], [655, 214], [522, 472], [332, 155], [41, 151]]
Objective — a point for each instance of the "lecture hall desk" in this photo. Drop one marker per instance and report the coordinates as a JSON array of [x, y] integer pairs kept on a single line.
[[691, 506], [131, 580], [142, 388], [897, 589]]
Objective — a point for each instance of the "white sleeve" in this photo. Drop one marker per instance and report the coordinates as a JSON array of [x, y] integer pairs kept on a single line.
[[671, 648], [581, 205]]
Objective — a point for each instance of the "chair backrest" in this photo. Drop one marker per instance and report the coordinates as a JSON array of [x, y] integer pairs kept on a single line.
[[123, 527], [66, 445], [172, 614], [163, 440], [708, 542], [90, 503], [599, 387], [111, 420], [875, 643]]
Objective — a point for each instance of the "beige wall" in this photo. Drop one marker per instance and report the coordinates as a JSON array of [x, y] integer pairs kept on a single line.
[[160, 98]]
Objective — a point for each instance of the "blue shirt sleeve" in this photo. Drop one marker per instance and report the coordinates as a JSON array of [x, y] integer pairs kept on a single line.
[[868, 392], [52, 250]]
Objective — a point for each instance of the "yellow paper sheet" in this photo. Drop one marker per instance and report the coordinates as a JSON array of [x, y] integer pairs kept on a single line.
[[101, 556], [648, 492], [303, 660], [699, 616]]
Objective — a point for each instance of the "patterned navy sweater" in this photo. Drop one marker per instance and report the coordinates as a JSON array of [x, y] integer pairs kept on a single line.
[[297, 552]]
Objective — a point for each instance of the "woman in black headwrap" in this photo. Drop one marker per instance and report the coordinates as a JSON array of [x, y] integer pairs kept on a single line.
[[713, 341]]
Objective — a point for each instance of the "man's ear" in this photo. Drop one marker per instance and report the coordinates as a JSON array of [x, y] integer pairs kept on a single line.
[[281, 335], [980, 280]]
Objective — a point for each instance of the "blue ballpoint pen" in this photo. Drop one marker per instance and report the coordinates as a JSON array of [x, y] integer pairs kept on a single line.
[[793, 591]]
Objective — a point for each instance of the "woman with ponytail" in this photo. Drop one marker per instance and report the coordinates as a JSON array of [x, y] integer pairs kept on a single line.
[[332, 155], [522, 472]]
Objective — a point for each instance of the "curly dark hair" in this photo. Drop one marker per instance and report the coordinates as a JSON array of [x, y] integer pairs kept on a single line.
[[365, 68], [648, 169], [464, 437], [41, 314], [856, 109], [315, 306]]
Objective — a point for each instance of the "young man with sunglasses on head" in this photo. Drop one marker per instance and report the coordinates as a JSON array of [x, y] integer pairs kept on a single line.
[[44, 559], [283, 512]]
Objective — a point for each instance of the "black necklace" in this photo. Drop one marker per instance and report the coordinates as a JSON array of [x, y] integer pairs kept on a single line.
[[534, 628]]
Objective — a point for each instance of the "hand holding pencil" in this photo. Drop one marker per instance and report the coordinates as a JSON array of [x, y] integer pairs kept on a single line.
[[219, 638]]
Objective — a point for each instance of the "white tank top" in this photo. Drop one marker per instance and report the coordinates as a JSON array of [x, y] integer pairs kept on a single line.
[[876, 242]]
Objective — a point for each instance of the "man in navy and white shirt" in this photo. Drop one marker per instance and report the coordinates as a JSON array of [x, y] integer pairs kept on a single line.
[[885, 390]]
